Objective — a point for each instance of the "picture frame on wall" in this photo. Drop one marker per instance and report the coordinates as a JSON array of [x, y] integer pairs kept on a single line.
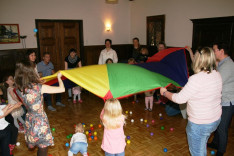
[[9, 33]]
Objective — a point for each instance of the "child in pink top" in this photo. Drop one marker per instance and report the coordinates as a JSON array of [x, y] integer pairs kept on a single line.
[[113, 142]]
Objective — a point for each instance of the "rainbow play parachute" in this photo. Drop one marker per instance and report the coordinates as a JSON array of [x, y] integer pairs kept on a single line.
[[120, 80]]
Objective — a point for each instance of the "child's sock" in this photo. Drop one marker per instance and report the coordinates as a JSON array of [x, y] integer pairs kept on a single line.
[[70, 153]]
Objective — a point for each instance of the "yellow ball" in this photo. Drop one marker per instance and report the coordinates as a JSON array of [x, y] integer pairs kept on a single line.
[[145, 121], [91, 125], [95, 133], [87, 132], [84, 126], [128, 142], [126, 112]]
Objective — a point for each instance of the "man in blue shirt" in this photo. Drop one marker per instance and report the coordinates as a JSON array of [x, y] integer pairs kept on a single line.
[[46, 68]]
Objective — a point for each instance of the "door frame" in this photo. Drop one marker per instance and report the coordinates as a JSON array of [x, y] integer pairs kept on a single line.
[[81, 37]]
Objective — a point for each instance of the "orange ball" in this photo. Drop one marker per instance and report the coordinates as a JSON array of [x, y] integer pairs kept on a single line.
[[90, 138], [95, 138], [100, 126]]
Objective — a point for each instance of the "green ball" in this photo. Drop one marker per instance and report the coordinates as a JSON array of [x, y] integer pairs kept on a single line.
[[68, 137], [162, 128], [53, 129]]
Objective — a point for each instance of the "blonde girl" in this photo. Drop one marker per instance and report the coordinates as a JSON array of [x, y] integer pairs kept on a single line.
[[113, 142], [78, 141]]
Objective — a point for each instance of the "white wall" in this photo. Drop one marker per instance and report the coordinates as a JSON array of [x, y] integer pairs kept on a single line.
[[178, 27], [94, 14]]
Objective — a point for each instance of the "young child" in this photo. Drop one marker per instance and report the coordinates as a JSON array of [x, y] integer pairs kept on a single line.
[[109, 61], [113, 142], [143, 57], [78, 142], [12, 99], [76, 92], [149, 98]]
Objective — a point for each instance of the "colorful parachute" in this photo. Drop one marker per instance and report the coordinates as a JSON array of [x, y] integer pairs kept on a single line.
[[120, 80]]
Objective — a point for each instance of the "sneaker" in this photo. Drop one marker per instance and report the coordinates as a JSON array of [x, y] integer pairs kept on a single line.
[[60, 104], [74, 101], [51, 108], [146, 109], [69, 99], [150, 110], [80, 101]]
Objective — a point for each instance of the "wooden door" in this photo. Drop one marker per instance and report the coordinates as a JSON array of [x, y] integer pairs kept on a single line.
[[57, 37]]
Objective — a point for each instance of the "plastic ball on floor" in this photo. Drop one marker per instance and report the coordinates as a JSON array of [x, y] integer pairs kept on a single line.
[[95, 133], [91, 128], [132, 120], [133, 102], [90, 131], [53, 129], [160, 114], [162, 128], [67, 144], [137, 101], [90, 134], [95, 138], [91, 125], [128, 142], [141, 120], [35, 30], [84, 126], [18, 143], [161, 118], [50, 154], [83, 123], [128, 137], [145, 121], [212, 152], [153, 121], [68, 137], [130, 112], [151, 133], [147, 125], [87, 132], [171, 129], [165, 149], [92, 137], [100, 126], [126, 112]]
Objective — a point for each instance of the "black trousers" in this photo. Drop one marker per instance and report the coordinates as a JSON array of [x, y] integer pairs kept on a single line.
[[8, 136], [221, 134]]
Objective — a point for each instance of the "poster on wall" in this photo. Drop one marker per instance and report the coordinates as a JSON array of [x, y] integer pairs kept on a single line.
[[9, 33]]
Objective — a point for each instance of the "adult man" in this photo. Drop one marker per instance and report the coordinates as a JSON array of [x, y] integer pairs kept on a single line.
[[46, 68], [226, 69]]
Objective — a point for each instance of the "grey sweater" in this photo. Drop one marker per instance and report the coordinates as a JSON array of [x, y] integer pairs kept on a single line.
[[226, 69]]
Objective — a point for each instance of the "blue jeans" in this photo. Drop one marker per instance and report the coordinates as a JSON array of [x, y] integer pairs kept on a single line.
[[197, 135], [79, 147], [117, 154]]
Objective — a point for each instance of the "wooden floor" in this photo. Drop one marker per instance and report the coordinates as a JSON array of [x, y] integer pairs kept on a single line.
[[142, 143]]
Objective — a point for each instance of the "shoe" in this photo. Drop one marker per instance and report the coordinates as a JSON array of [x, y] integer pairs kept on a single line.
[[11, 148], [150, 110], [212, 145], [146, 109], [80, 101], [60, 104], [51, 108], [219, 153], [74, 101], [69, 99]]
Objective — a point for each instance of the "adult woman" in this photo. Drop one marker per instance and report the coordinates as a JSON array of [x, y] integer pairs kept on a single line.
[[30, 90], [107, 53], [72, 61], [31, 57], [136, 49], [203, 96]]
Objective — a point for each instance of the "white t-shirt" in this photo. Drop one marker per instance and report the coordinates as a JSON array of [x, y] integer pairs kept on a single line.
[[104, 55], [3, 122], [78, 137]]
